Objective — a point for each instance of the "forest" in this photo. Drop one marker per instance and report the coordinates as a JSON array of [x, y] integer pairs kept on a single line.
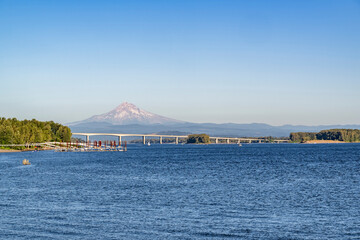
[[13, 131], [345, 135]]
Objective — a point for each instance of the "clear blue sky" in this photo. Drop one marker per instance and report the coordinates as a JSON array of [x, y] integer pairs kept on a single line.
[[276, 62]]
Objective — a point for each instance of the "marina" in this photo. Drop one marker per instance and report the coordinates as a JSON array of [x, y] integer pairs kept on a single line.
[[95, 146], [90, 146]]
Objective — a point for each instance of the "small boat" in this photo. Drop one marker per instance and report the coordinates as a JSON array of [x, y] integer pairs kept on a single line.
[[148, 144], [26, 162]]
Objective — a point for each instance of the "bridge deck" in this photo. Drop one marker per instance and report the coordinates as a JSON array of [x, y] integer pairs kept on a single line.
[[173, 136]]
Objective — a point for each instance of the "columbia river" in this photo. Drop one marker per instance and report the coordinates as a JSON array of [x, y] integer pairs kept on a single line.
[[257, 191]]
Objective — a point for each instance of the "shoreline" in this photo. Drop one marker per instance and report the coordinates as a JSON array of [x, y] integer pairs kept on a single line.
[[9, 150], [323, 141], [25, 150]]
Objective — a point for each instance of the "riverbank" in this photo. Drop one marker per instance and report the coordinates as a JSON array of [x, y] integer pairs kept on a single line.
[[8, 150], [24, 150], [323, 141]]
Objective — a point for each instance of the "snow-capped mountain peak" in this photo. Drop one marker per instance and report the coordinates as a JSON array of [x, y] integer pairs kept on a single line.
[[128, 113]]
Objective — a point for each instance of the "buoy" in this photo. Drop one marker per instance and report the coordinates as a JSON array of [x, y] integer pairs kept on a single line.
[[26, 162]]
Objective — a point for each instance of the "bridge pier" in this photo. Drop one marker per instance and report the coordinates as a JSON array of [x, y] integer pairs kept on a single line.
[[143, 138], [176, 140], [228, 141], [259, 140], [216, 140], [238, 141], [87, 138], [119, 138], [160, 140]]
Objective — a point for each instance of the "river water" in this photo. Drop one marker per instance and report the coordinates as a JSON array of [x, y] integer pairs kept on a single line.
[[257, 191]]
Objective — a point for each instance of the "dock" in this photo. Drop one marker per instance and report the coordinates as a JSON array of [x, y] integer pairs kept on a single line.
[[95, 146]]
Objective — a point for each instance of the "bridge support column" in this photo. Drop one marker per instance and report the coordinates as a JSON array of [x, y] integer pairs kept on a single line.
[[160, 140], [216, 140], [238, 141], [177, 140], [143, 138], [249, 141], [119, 138], [259, 140], [228, 141], [87, 138]]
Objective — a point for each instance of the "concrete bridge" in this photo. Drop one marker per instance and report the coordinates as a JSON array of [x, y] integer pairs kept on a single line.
[[217, 140]]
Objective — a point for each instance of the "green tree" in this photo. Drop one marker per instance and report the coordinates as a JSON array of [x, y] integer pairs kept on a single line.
[[6, 135], [64, 134]]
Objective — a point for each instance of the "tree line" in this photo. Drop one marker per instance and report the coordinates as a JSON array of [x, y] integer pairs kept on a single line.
[[13, 131], [346, 135]]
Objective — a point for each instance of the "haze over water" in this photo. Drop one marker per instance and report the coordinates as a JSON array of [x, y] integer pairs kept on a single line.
[[266, 191]]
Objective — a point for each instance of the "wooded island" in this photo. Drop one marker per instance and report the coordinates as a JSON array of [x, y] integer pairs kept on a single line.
[[198, 139]]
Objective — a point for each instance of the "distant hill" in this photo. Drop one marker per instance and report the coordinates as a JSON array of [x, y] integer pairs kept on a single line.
[[230, 130], [127, 118]]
